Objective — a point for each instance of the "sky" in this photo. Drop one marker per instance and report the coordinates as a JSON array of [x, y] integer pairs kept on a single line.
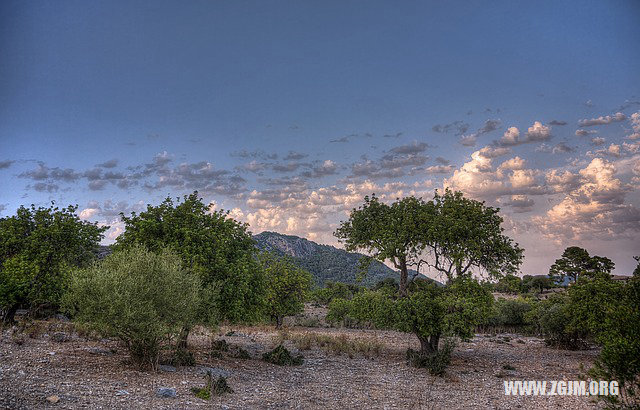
[[287, 113]]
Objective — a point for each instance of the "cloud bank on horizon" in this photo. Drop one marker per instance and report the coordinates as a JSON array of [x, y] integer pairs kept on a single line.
[[290, 124]]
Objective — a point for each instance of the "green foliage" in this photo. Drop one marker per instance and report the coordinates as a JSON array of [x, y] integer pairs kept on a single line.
[[636, 271], [509, 284], [459, 234], [182, 357], [287, 286], [326, 263], [335, 290], [511, 312], [137, 296], [282, 357], [38, 249], [536, 284], [552, 318], [210, 243], [436, 363], [428, 311], [338, 310], [202, 392], [576, 262], [610, 310]]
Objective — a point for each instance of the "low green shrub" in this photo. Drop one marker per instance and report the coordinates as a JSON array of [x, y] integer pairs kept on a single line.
[[282, 357]]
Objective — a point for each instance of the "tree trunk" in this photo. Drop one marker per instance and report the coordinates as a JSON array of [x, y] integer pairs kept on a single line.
[[429, 345], [278, 322], [404, 274], [182, 339], [9, 314]]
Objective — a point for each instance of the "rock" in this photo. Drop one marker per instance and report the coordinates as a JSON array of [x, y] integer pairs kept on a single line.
[[122, 393], [99, 351], [53, 399], [166, 392], [60, 337], [166, 368], [61, 318], [215, 371]]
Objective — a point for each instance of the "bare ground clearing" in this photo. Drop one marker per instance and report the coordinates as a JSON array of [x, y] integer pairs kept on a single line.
[[95, 374]]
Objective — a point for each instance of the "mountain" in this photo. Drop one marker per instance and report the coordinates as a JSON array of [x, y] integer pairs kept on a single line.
[[326, 263]]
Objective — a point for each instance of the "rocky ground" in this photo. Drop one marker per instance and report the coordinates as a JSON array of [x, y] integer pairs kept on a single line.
[[54, 367]]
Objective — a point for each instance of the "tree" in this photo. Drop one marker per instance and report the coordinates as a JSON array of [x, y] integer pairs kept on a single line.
[[509, 284], [636, 271], [536, 283], [38, 249], [387, 232], [140, 297], [287, 287], [452, 234], [429, 311], [213, 245], [610, 311], [576, 261], [465, 236]]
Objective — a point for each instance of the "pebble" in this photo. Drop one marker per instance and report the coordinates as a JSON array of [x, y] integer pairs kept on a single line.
[[53, 399]]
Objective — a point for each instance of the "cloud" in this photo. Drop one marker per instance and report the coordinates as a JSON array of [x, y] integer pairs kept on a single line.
[[460, 127], [635, 125], [6, 164], [319, 170], [112, 163], [489, 125], [442, 161], [45, 187], [493, 152], [340, 140], [519, 203], [538, 132], [396, 135], [608, 119], [510, 137], [561, 148], [597, 141], [414, 147], [256, 154], [295, 156], [557, 122], [42, 172], [594, 209], [584, 133]]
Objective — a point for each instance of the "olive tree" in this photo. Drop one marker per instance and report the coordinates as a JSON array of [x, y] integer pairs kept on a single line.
[[287, 287], [219, 249], [139, 297], [38, 249]]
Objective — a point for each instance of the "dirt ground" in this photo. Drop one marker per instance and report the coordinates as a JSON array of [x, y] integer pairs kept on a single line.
[[96, 374]]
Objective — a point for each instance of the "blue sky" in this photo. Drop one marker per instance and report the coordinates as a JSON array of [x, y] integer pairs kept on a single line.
[[289, 112]]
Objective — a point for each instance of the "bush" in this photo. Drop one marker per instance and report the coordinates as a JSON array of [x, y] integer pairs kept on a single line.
[[510, 312], [282, 357], [141, 298], [436, 363], [552, 318]]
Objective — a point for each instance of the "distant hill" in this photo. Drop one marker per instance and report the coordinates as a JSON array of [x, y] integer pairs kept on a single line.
[[326, 263]]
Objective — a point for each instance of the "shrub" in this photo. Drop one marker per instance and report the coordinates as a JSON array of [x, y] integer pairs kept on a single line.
[[282, 357], [553, 320], [436, 362], [141, 298], [510, 312]]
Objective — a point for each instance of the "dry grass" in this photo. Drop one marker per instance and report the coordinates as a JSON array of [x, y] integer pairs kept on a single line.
[[335, 344]]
